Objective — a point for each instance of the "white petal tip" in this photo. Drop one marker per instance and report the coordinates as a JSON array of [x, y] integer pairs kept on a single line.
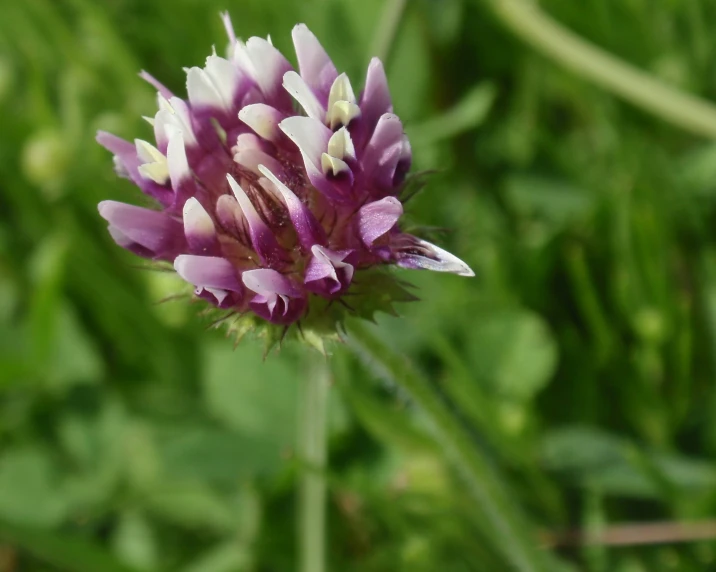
[[435, 259]]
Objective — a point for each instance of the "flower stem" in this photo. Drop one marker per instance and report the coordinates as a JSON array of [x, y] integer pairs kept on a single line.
[[504, 521], [313, 451], [527, 21]]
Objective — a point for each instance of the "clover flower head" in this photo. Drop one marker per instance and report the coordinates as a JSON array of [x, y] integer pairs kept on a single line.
[[274, 189]]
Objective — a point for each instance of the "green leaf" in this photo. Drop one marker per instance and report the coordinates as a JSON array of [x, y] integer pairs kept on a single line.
[[502, 519], [408, 68], [74, 357], [593, 458], [577, 448], [47, 268], [191, 505], [252, 395], [228, 557], [697, 171], [199, 508], [386, 423], [557, 203], [29, 494], [94, 445], [446, 19], [513, 352], [470, 112], [134, 541], [68, 553], [218, 456], [143, 466]]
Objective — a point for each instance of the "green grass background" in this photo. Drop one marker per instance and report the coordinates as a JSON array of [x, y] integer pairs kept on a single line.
[[580, 359]]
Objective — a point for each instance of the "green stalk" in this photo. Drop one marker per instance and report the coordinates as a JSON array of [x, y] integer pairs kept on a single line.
[[525, 19], [588, 301], [313, 452], [387, 28], [507, 526]]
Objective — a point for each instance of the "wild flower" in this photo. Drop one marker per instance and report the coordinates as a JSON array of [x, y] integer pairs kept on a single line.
[[274, 190]]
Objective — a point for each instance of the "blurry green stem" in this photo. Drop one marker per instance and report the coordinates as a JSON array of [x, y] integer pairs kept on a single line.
[[525, 19], [588, 300], [467, 114], [313, 451], [387, 28], [505, 522]]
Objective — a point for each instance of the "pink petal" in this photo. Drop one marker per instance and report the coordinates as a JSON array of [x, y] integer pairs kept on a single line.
[[263, 119], [377, 218], [269, 68], [154, 233], [316, 67], [328, 272], [156, 84], [207, 272], [412, 252], [308, 230], [375, 100], [262, 239], [198, 227]]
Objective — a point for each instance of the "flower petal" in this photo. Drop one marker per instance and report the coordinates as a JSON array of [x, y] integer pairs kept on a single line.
[[177, 163], [124, 151], [277, 298], [328, 273], [386, 149], [198, 227], [263, 119], [341, 108], [155, 234], [267, 282], [231, 218], [154, 163], [405, 159], [412, 252], [340, 145], [173, 114], [311, 137], [301, 92], [208, 272], [262, 239], [269, 68], [229, 27], [156, 84], [377, 218], [316, 67], [224, 76], [341, 113], [341, 90], [308, 230], [387, 135], [202, 91], [251, 159], [375, 99], [335, 167], [127, 162]]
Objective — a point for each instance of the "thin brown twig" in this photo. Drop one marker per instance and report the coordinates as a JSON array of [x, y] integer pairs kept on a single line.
[[633, 534]]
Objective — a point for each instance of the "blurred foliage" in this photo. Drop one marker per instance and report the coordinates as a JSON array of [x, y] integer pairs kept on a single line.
[[581, 358]]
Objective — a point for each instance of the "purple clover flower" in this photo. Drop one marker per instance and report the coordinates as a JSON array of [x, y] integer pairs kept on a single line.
[[262, 207]]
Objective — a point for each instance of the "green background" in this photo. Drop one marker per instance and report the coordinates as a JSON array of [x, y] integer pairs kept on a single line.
[[580, 359]]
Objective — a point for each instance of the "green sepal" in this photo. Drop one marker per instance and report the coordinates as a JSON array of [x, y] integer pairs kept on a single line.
[[373, 291], [376, 291]]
